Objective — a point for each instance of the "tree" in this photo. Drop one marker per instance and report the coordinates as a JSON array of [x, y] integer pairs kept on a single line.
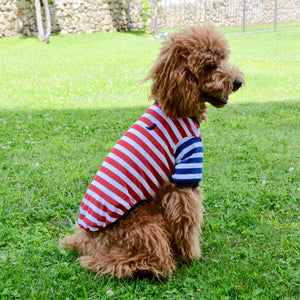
[[44, 37]]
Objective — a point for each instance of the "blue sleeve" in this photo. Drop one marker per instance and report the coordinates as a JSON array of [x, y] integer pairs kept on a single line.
[[188, 162]]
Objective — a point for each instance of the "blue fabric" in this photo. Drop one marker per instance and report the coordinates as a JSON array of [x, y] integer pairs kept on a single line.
[[188, 162]]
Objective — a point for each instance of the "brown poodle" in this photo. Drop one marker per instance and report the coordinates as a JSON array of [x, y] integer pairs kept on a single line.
[[143, 211]]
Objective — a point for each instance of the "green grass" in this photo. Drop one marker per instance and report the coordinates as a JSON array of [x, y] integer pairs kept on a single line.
[[260, 27], [64, 105], [250, 28]]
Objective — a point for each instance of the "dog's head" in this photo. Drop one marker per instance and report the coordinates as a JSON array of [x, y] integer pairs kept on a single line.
[[192, 69]]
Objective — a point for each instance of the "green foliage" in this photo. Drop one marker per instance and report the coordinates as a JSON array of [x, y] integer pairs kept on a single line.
[[145, 13], [62, 108]]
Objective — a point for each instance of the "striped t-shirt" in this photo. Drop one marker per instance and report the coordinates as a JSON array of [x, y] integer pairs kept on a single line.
[[153, 151]]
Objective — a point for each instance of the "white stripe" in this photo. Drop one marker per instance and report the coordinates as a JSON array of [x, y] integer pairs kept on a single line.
[[185, 128], [189, 166], [163, 129], [189, 148], [110, 194], [102, 201], [124, 178], [151, 146], [95, 220], [97, 211], [158, 139], [197, 155], [174, 129], [197, 131], [100, 224], [146, 156], [138, 162], [183, 177], [86, 226], [116, 184], [170, 122], [131, 171]]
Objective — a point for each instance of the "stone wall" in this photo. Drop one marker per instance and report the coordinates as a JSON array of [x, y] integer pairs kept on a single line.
[[17, 17]]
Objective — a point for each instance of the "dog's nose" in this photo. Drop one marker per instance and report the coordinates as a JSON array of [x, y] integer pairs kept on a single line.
[[237, 84]]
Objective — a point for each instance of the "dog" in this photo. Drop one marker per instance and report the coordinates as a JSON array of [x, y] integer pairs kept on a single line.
[[143, 211]]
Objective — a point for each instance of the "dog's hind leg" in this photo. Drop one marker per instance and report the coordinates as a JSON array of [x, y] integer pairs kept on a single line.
[[183, 212], [148, 252], [138, 244], [122, 264]]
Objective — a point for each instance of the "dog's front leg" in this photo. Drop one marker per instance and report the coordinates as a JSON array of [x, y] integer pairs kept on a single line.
[[183, 212]]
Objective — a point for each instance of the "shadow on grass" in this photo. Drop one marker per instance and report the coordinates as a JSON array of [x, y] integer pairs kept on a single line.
[[48, 158], [137, 33], [64, 148], [113, 123]]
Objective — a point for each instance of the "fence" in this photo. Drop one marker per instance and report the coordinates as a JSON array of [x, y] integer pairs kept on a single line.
[[230, 16]]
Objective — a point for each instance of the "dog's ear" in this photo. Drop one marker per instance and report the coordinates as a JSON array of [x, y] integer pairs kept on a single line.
[[174, 85]]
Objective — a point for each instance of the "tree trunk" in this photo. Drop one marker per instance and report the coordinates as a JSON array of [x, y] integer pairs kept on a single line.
[[41, 34]]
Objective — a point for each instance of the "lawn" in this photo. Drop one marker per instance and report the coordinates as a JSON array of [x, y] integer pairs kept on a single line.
[[62, 108]]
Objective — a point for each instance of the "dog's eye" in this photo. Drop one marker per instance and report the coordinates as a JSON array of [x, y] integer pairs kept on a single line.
[[210, 68]]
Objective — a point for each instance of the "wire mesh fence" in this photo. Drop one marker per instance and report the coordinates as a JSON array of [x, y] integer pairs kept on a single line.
[[230, 16]]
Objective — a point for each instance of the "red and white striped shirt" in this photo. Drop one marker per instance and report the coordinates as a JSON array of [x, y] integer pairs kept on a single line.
[[153, 151]]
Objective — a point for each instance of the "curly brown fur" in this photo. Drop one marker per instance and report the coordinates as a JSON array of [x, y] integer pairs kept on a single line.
[[183, 212], [192, 69], [137, 244]]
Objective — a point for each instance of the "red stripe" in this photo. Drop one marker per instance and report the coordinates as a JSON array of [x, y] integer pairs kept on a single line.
[[87, 229], [113, 189], [189, 126], [83, 216], [196, 124], [89, 223], [134, 165], [180, 128], [148, 150], [115, 177], [132, 178], [97, 216], [101, 205], [108, 199], [160, 133], [157, 145], [165, 124]]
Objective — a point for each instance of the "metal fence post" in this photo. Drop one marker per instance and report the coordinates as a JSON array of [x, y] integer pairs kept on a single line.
[[275, 15], [244, 17]]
